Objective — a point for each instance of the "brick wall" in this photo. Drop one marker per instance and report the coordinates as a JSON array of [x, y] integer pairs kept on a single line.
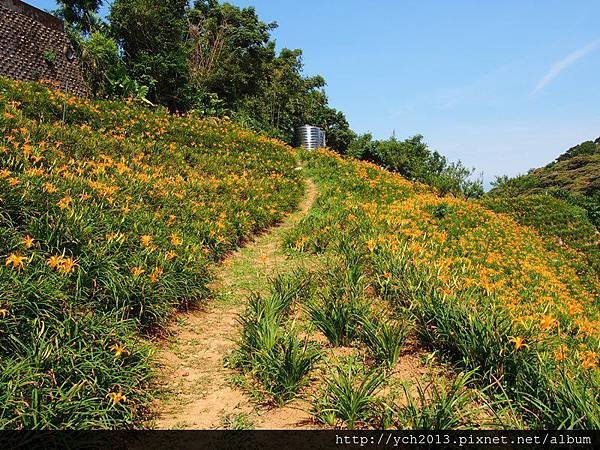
[[34, 46]]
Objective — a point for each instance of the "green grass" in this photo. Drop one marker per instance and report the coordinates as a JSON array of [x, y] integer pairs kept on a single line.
[[437, 407], [571, 178], [284, 370], [384, 339], [240, 421], [555, 219], [340, 306]]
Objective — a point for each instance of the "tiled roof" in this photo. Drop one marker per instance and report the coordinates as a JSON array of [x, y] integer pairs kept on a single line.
[[34, 46]]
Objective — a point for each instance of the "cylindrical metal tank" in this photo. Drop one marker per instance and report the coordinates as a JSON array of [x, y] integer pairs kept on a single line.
[[310, 137]]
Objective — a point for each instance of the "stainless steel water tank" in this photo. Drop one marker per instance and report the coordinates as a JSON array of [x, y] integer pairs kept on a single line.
[[310, 137]]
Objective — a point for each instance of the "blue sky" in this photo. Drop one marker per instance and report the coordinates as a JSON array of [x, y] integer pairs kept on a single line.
[[503, 86]]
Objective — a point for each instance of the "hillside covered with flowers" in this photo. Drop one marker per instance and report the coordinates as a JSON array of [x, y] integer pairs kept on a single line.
[[109, 216], [112, 213]]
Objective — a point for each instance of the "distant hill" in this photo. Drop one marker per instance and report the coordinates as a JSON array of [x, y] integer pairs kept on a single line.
[[573, 177]]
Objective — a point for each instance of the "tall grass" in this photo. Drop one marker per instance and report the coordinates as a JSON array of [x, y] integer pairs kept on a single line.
[[339, 307], [436, 407], [548, 394], [384, 339], [284, 370]]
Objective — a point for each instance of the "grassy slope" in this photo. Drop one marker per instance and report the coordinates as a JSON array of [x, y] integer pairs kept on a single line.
[[575, 171], [573, 178], [486, 292], [140, 201], [559, 222], [578, 174], [107, 221]]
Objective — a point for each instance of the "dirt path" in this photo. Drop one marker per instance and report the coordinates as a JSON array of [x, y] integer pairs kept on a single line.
[[192, 375]]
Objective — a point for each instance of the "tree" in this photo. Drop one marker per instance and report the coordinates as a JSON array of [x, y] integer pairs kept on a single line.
[[101, 62], [361, 147], [214, 58], [233, 64], [411, 157], [152, 35], [414, 160], [81, 15], [455, 179], [339, 134], [278, 102], [104, 69], [230, 50]]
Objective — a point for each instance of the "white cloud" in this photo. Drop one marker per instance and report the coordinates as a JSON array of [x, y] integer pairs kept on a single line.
[[561, 65]]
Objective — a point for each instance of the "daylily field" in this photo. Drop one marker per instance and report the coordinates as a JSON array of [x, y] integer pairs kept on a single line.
[[108, 220], [488, 294], [111, 214]]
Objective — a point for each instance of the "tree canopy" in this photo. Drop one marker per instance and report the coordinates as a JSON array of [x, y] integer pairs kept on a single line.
[[414, 160], [221, 60]]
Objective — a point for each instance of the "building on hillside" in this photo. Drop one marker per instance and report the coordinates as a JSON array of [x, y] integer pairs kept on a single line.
[[310, 137], [35, 47]]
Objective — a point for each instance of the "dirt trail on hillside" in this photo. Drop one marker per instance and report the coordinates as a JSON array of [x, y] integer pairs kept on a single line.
[[197, 390]]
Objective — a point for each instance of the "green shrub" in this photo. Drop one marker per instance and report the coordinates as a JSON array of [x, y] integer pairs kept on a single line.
[[478, 340], [383, 339], [260, 330], [436, 407], [349, 396]]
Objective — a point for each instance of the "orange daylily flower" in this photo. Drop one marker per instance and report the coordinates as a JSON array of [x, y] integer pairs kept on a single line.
[[15, 260], [117, 397], [548, 322], [119, 350], [156, 273], [49, 188], [54, 261], [137, 271], [519, 343], [589, 359], [176, 240], [65, 202], [28, 241], [67, 265], [561, 353]]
